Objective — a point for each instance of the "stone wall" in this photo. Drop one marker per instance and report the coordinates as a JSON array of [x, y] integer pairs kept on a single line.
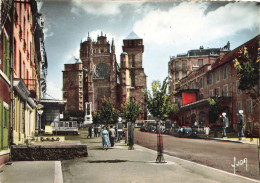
[[47, 152]]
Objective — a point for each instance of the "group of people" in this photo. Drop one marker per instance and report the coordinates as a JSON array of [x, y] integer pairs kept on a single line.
[[109, 135], [96, 131]]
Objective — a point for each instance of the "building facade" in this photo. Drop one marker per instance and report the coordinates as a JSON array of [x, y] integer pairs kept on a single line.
[[5, 79], [100, 71], [99, 75], [181, 65], [73, 86], [218, 79], [133, 46]]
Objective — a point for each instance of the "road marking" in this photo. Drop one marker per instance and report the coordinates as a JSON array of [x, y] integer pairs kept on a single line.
[[153, 151], [58, 173]]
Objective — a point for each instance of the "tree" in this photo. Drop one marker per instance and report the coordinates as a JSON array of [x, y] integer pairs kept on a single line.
[[214, 109], [131, 110], [160, 106], [159, 102], [247, 66], [108, 114], [96, 118]]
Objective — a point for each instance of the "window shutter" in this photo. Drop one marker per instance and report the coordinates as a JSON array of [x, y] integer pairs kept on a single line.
[[1, 114], [7, 58]]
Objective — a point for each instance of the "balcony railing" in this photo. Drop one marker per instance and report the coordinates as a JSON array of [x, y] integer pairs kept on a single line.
[[177, 68]]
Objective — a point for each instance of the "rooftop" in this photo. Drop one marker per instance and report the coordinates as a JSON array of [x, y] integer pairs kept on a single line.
[[132, 36], [233, 54]]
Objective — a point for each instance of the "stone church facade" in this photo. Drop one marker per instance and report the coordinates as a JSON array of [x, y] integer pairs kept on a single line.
[[98, 74]]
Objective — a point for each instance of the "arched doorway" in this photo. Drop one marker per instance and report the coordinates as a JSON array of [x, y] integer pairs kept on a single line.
[[202, 116], [193, 119]]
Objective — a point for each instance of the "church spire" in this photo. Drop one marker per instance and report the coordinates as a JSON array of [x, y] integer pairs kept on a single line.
[[113, 46], [89, 39]]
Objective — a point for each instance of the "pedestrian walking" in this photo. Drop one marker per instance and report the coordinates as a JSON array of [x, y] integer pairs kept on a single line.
[[89, 132], [105, 138], [95, 131], [207, 130], [116, 137], [112, 135]]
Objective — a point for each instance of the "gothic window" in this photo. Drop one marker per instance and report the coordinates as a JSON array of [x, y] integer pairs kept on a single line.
[[133, 60], [132, 78], [102, 71]]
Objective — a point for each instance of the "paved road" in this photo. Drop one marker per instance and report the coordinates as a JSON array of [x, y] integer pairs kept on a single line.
[[118, 164], [212, 153]]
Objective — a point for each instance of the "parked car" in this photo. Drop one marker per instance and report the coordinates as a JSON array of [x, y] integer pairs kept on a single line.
[[185, 132]]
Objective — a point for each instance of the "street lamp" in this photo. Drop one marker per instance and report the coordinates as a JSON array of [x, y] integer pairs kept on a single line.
[[224, 120], [40, 113], [160, 158], [241, 124]]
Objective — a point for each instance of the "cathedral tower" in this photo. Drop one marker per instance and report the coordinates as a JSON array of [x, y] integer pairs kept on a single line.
[[133, 46], [100, 71]]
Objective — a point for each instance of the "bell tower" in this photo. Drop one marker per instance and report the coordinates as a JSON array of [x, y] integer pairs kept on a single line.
[[133, 46]]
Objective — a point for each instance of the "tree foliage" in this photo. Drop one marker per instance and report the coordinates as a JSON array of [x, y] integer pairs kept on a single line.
[[96, 118], [158, 101], [214, 109], [108, 114], [131, 110], [247, 66]]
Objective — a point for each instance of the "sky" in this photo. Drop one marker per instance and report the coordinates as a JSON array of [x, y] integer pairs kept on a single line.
[[167, 28]]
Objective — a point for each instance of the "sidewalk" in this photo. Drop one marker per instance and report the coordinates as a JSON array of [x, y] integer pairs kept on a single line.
[[231, 137], [115, 165], [32, 172], [120, 165]]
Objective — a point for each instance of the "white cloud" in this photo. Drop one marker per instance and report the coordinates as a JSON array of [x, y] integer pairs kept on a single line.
[[101, 7], [54, 89], [188, 24], [71, 55], [47, 32]]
